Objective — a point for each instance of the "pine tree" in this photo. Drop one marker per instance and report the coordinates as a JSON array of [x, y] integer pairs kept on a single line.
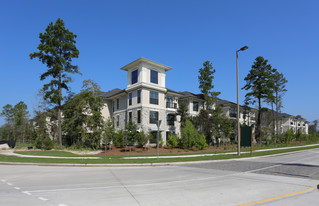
[[260, 86], [205, 78], [279, 90], [56, 50]]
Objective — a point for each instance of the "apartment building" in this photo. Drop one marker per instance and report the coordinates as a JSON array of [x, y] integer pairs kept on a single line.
[[146, 100]]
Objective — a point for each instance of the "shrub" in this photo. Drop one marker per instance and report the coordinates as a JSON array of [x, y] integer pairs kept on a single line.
[[161, 142], [287, 136], [200, 142], [191, 137], [38, 143], [77, 146], [142, 139], [119, 139], [188, 135], [172, 141], [48, 143]]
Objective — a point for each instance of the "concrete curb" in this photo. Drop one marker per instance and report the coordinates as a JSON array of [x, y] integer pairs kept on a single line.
[[144, 164]]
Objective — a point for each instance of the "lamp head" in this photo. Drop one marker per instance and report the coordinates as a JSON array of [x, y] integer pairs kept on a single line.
[[243, 48]]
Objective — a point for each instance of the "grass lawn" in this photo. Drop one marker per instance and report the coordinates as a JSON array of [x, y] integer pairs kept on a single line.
[[117, 160], [56, 153]]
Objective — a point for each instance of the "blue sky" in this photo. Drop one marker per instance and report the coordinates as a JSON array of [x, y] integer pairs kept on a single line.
[[179, 34]]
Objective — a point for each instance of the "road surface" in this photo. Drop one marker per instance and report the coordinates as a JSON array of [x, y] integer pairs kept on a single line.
[[278, 180]]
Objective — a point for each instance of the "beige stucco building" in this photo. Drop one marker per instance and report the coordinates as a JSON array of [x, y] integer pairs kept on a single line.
[[146, 100]]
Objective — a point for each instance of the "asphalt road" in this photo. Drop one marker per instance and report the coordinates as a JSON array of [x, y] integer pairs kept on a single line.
[[218, 183]]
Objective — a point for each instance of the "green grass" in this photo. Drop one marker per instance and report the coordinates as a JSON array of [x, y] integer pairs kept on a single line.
[[49, 153], [108, 160]]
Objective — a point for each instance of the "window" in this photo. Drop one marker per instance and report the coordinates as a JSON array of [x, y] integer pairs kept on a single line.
[[134, 77], [130, 98], [113, 106], [117, 103], [170, 119], [138, 96], [130, 116], [117, 120], [153, 117], [195, 106], [232, 113], [154, 77], [153, 97], [138, 116]]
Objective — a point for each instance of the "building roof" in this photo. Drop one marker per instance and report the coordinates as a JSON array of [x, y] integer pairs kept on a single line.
[[172, 91], [111, 93], [187, 94], [144, 60]]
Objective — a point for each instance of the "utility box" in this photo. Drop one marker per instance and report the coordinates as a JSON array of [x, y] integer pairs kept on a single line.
[[246, 136]]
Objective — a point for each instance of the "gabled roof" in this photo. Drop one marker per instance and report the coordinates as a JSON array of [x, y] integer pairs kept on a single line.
[[144, 60], [111, 93]]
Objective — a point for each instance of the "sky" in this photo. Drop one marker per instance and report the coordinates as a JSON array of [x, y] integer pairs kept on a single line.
[[181, 34]]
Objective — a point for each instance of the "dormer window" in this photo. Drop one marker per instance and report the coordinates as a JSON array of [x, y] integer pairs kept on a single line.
[[154, 77], [134, 76]]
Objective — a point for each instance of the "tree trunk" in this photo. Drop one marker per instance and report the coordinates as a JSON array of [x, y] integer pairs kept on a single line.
[[277, 110], [60, 111], [273, 119], [258, 133]]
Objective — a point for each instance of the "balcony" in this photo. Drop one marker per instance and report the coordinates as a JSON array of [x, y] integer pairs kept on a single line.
[[171, 105]]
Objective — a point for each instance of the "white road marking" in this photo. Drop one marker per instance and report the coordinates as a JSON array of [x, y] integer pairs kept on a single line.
[[62, 205], [43, 199], [8, 183], [26, 192], [3, 180], [17, 188]]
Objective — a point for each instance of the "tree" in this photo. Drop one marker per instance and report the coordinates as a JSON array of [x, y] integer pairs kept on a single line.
[[259, 84], [83, 121], [183, 112], [108, 132], [205, 78], [56, 50], [8, 114], [313, 127], [222, 127], [21, 120], [279, 90], [191, 137], [131, 132], [17, 118]]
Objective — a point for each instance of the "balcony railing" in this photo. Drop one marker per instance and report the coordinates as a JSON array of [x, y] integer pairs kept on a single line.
[[171, 105]]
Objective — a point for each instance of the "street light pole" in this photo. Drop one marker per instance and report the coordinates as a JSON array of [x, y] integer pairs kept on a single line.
[[158, 123], [238, 113]]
